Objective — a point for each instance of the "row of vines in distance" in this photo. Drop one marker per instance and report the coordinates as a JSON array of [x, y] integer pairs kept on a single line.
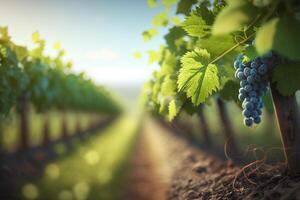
[[29, 77], [235, 50]]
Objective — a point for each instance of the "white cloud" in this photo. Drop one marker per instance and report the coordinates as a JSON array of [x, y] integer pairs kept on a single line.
[[105, 54], [116, 75]]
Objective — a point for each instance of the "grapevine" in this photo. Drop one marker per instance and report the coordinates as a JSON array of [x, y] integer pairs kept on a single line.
[[46, 80], [207, 57]]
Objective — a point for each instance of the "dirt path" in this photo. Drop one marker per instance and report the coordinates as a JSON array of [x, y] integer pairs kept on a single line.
[[166, 166], [148, 178]]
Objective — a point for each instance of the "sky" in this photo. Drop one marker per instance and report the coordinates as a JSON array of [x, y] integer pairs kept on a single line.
[[99, 36]]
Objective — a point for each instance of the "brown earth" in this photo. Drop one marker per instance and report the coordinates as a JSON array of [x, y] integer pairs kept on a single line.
[[148, 178], [166, 166]]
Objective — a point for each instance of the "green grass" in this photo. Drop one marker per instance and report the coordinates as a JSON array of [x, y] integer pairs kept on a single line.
[[94, 171]]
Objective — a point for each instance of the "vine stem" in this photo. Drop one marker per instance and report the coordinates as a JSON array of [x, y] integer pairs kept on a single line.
[[231, 49]]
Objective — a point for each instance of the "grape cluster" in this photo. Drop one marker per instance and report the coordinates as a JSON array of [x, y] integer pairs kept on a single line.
[[254, 83]]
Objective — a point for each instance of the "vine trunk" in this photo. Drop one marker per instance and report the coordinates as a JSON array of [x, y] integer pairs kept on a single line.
[[288, 118]]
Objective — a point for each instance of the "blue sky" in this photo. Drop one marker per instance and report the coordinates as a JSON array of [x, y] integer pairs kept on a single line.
[[100, 36]]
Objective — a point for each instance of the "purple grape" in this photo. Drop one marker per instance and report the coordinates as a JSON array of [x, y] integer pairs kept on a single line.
[[247, 71], [248, 122], [246, 113]]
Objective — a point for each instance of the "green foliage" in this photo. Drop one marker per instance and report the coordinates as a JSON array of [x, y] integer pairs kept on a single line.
[[176, 20], [286, 77], [168, 87], [195, 26], [161, 19], [151, 3], [185, 6], [168, 3], [262, 3], [280, 35], [197, 58], [174, 108], [197, 77], [153, 56], [149, 34], [48, 82], [174, 38], [230, 91], [216, 45], [251, 52], [234, 17]]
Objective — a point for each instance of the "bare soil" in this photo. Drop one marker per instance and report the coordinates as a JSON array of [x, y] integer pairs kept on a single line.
[[195, 174], [147, 179]]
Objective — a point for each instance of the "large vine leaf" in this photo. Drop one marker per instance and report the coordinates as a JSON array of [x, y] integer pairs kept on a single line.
[[234, 17], [197, 77], [195, 26], [281, 35], [286, 78]]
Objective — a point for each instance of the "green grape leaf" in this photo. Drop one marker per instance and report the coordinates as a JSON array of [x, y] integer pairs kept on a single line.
[[161, 19], [176, 20], [197, 77], [216, 45], [234, 17], [156, 89], [174, 108], [195, 26], [168, 87], [151, 3], [154, 56], [149, 34], [281, 35], [163, 105], [207, 15], [185, 6], [286, 77], [168, 64], [230, 91]]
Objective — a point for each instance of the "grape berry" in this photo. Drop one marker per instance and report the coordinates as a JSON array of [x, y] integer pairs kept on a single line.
[[254, 82]]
